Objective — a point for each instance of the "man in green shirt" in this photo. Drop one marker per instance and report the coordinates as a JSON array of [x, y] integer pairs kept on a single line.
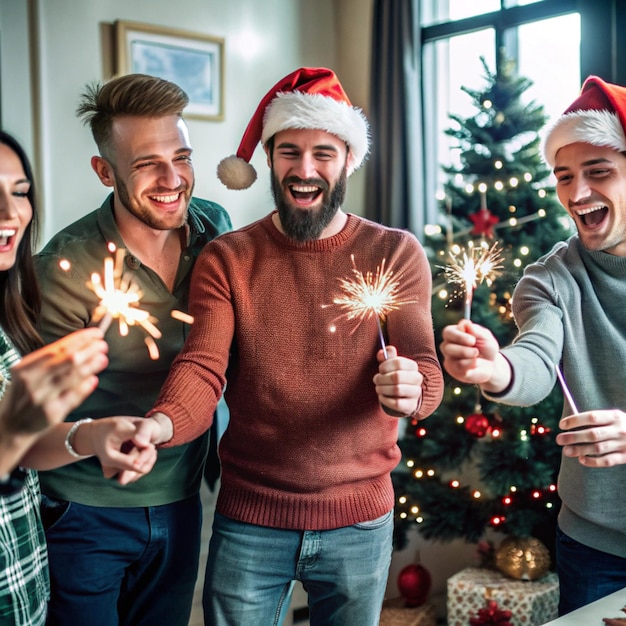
[[129, 554]]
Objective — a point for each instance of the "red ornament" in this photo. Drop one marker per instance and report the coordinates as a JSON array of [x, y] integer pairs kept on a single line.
[[414, 583], [491, 615], [477, 424], [484, 221]]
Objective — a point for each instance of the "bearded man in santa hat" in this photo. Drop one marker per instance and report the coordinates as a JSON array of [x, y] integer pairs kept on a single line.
[[315, 390], [570, 308]]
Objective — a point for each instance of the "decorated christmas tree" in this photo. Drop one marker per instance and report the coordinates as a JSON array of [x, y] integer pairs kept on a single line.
[[475, 465]]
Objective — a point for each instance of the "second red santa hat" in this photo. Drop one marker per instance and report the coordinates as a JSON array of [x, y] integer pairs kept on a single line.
[[597, 116]]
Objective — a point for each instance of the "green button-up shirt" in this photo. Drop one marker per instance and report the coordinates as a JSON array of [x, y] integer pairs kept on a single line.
[[132, 380]]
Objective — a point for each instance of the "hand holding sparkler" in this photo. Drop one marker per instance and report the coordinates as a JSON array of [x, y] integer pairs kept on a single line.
[[375, 294], [471, 355], [398, 384]]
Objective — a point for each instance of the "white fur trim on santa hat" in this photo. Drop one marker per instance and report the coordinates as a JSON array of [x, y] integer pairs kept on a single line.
[[236, 173], [297, 109], [597, 127]]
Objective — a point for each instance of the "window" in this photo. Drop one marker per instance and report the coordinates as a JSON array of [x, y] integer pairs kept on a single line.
[[542, 38]]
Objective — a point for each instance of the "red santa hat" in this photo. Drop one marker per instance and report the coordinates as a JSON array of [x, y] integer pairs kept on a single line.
[[597, 116], [310, 97]]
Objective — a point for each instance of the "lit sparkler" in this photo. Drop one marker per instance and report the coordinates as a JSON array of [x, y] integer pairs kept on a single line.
[[367, 295], [481, 264], [119, 299]]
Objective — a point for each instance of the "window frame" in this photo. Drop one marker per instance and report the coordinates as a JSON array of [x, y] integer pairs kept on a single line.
[[602, 51]]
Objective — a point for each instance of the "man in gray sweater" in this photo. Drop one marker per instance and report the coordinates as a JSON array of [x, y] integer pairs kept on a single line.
[[570, 309]]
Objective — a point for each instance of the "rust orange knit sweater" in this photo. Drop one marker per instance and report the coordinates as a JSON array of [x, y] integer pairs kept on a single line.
[[308, 445]]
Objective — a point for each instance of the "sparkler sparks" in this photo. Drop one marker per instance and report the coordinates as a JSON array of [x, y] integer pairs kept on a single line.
[[481, 264], [119, 299], [367, 295]]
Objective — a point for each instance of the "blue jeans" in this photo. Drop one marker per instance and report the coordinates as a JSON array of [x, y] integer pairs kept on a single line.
[[585, 574], [122, 566], [251, 571]]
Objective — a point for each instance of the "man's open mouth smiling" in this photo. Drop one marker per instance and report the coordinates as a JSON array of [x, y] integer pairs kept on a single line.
[[592, 216], [165, 199], [305, 192]]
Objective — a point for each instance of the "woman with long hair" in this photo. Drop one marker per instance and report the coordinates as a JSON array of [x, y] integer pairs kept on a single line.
[[39, 386]]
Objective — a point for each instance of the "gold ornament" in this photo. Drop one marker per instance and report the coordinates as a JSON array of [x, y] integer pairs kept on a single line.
[[522, 558]]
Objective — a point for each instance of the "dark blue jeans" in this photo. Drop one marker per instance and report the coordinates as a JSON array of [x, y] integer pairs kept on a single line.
[[585, 574], [122, 566]]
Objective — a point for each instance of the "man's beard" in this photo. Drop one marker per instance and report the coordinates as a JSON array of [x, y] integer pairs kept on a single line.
[[308, 224], [146, 215]]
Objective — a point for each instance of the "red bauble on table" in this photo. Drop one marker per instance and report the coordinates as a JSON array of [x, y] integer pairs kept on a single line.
[[414, 583]]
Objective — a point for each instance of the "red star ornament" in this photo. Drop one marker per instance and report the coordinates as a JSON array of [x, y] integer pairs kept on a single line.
[[484, 221]]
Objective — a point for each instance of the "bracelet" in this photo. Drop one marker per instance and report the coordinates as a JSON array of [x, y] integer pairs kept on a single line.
[[70, 438]]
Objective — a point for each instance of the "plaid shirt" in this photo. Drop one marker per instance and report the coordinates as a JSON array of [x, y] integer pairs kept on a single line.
[[24, 584]]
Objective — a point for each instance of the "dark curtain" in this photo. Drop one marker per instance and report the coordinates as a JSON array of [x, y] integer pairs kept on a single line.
[[394, 182]]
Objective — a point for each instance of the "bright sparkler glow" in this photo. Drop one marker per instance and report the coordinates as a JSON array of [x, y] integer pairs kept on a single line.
[[470, 269], [367, 295], [119, 299]]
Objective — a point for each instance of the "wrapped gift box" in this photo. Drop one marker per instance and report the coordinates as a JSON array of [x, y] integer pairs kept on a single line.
[[531, 603], [396, 613]]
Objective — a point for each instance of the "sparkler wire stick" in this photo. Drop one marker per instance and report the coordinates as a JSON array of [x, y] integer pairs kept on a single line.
[[566, 391], [105, 322], [469, 294], [381, 336]]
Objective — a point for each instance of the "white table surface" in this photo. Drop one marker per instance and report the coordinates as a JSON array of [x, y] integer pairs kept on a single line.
[[592, 614]]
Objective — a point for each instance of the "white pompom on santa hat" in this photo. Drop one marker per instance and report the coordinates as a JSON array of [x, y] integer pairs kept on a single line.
[[309, 98], [597, 117]]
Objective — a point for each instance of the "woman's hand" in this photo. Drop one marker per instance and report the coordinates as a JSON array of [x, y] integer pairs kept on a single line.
[[50, 382]]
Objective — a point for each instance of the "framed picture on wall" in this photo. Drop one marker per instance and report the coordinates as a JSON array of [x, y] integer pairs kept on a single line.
[[194, 61]]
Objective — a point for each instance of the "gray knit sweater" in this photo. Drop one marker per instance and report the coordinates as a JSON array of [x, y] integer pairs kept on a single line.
[[570, 307]]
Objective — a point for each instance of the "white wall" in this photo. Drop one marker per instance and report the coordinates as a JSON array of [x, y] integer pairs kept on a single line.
[[264, 40], [16, 100], [261, 45]]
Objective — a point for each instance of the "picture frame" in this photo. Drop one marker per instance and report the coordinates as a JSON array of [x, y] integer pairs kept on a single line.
[[194, 61]]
